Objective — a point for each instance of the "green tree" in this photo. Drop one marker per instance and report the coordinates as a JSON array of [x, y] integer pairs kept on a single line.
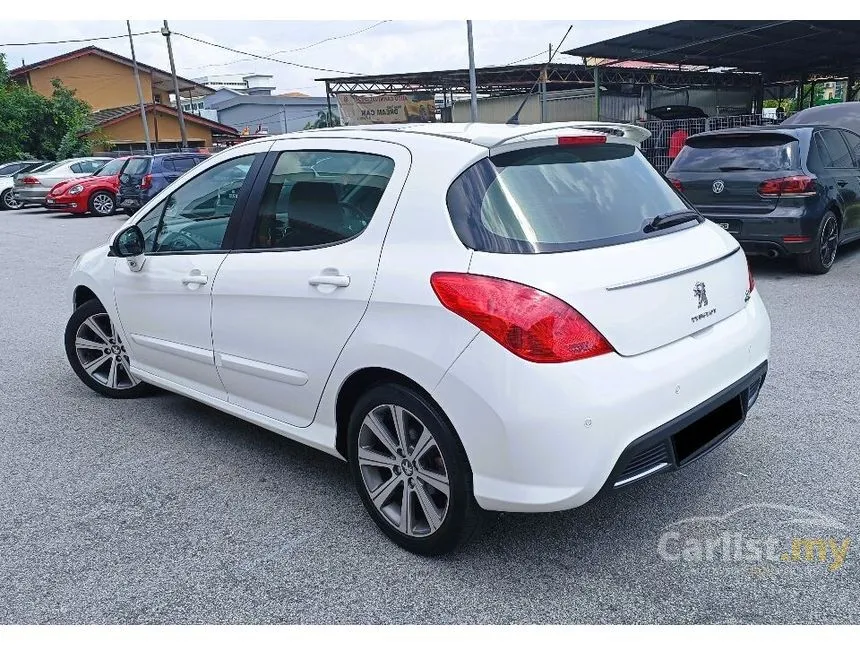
[[34, 126], [322, 121]]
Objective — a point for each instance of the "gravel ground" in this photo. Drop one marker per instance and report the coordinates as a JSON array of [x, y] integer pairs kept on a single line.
[[162, 510]]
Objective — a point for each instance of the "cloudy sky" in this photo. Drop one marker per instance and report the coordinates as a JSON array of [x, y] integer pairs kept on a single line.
[[392, 46]]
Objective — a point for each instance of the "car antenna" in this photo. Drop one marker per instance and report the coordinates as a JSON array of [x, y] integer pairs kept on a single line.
[[515, 119]]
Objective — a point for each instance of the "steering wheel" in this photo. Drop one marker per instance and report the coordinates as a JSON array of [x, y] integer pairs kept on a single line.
[[363, 217], [180, 241]]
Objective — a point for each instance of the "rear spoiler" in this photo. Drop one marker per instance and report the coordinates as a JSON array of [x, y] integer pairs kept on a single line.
[[623, 130], [632, 133]]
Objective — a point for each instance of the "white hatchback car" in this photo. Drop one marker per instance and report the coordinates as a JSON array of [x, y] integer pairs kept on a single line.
[[493, 317]]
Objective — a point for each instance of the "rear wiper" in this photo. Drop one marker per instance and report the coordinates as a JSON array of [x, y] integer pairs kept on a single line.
[[733, 168], [671, 219]]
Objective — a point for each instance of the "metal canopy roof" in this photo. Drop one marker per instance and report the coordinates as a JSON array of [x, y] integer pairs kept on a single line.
[[777, 49], [510, 79]]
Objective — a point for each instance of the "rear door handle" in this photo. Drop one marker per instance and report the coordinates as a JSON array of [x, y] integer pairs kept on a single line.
[[195, 279], [333, 280]]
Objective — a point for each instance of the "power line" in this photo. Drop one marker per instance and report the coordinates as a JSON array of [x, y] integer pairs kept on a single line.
[[75, 40], [269, 58], [331, 38], [298, 49], [520, 60]]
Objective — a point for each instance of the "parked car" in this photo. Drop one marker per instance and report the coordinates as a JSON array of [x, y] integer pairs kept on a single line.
[[33, 187], [7, 180], [95, 194], [838, 115], [14, 167], [537, 319], [780, 190], [147, 175]]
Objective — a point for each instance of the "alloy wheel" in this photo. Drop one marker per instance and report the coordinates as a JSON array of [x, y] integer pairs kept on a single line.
[[829, 241], [103, 204], [9, 201], [403, 470], [102, 354]]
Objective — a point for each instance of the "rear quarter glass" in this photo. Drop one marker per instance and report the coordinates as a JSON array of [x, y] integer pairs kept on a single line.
[[559, 198]]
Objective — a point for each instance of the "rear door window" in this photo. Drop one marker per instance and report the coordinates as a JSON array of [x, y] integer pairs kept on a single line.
[[738, 152], [840, 156], [181, 164], [555, 198], [304, 206], [854, 144]]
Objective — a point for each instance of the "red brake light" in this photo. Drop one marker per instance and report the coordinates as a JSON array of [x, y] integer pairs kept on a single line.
[[146, 182], [798, 185], [583, 140], [528, 322], [29, 180], [678, 185]]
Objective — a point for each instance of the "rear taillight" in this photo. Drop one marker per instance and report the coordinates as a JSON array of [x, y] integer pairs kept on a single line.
[[678, 185], [30, 180], [146, 182], [583, 140], [528, 322], [798, 186]]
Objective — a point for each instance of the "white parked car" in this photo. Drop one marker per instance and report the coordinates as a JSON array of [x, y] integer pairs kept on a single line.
[[482, 317]]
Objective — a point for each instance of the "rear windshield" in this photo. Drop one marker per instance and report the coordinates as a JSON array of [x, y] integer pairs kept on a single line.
[[111, 168], [137, 166], [45, 167], [727, 153], [550, 199]]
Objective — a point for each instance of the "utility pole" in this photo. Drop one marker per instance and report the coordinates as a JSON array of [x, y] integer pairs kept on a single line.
[[139, 91], [165, 31], [284, 107], [472, 82], [543, 107]]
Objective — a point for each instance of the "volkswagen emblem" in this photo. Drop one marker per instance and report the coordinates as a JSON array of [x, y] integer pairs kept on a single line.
[[718, 186]]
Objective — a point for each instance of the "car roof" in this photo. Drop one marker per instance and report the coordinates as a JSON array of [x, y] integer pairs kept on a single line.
[[488, 135]]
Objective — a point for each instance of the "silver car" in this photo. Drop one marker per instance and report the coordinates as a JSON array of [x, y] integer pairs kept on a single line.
[[33, 187]]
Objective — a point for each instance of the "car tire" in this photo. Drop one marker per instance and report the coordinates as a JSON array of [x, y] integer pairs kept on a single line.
[[823, 254], [101, 203], [97, 354], [7, 203], [417, 476]]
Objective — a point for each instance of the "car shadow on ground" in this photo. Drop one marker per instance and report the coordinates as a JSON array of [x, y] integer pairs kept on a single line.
[[627, 514]]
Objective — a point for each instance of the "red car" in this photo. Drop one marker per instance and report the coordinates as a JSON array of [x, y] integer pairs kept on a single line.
[[95, 194]]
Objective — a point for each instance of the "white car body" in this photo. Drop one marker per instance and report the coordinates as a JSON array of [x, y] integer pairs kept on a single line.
[[258, 342]]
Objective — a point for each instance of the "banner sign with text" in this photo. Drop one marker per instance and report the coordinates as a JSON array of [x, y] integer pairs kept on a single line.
[[356, 109]]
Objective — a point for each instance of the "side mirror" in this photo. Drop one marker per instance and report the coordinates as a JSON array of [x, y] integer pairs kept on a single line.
[[130, 244]]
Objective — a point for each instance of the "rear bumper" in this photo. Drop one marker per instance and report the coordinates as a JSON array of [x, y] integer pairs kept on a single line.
[[784, 231], [31, 195], [550, 437], [690, 436]]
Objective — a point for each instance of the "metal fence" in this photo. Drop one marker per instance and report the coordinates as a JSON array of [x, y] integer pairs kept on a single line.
[[667, 137]]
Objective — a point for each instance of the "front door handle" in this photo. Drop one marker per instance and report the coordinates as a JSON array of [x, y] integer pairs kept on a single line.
[[195, 278], [842, 183], [333, 280]]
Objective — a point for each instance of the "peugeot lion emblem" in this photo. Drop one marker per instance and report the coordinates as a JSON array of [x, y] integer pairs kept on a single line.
[[701, 294], [718, 186]]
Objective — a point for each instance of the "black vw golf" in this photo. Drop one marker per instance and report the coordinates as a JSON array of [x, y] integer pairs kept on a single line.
[[780, 190]]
